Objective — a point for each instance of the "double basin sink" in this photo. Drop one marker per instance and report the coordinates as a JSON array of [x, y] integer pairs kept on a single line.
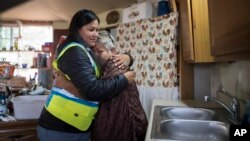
[[189, 124]]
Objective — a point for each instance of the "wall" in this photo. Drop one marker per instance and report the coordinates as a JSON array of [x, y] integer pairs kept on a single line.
[[102, 16], [60, 25], [202, 80], [233, 77]]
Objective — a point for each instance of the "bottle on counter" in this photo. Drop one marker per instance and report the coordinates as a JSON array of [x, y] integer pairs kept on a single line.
[[16, 45]]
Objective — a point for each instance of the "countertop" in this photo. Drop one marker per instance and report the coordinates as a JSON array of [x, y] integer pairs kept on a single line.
[[19, 127], [164, 102]]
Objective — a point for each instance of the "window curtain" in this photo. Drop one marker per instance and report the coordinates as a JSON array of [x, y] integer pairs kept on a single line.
[[152, 44]]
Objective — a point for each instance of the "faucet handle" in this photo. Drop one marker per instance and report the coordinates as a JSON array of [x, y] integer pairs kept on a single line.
[[235, 102], [235, 107], [206, 98]]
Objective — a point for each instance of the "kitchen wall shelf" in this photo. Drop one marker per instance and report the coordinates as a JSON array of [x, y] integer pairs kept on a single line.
[[19, 57]]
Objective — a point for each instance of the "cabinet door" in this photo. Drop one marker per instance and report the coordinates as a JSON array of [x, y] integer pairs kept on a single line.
[[31, 137], [229, 26], [186, 31], [201, 31], [23, 130], [28, 138], [195, 31]]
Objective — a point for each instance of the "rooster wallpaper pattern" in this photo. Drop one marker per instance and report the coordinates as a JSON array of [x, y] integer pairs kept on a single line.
[[152, 44]]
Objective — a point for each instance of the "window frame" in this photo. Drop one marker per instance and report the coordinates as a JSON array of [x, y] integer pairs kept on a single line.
[[20, 25]]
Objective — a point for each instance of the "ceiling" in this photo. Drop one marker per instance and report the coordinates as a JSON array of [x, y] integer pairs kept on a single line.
[[54, 10], [4, 5]]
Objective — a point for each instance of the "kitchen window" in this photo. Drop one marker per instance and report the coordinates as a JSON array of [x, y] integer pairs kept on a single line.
[[30, 35], [7, 36], [27, 36]]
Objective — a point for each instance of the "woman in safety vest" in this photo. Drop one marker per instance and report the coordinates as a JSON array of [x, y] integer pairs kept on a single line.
[[77, 88]]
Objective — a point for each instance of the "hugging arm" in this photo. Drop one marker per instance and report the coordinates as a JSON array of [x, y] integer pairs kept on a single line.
[[122, 60], [75, 63]]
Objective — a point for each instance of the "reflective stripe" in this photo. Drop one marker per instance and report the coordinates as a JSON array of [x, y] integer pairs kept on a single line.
[[72, 110], [67, 95], [73, 44]]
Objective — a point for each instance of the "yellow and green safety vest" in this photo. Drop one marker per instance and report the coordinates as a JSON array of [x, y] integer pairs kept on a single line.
[[65, 106]]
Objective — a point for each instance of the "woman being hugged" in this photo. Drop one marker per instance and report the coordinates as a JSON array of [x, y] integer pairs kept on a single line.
[[77, 88], [121, 118]]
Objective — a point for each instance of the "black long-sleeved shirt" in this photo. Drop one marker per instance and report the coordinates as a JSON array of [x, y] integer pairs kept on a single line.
[[76, 64]]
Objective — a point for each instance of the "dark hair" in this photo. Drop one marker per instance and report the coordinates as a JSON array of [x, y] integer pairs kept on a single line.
[[80, 19]]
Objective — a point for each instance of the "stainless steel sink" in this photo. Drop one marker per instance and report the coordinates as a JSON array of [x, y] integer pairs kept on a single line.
[[188, 113], [194, 130], [190, 124]]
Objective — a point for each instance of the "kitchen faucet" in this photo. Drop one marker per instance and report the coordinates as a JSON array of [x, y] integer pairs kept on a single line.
[[233, 109]]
